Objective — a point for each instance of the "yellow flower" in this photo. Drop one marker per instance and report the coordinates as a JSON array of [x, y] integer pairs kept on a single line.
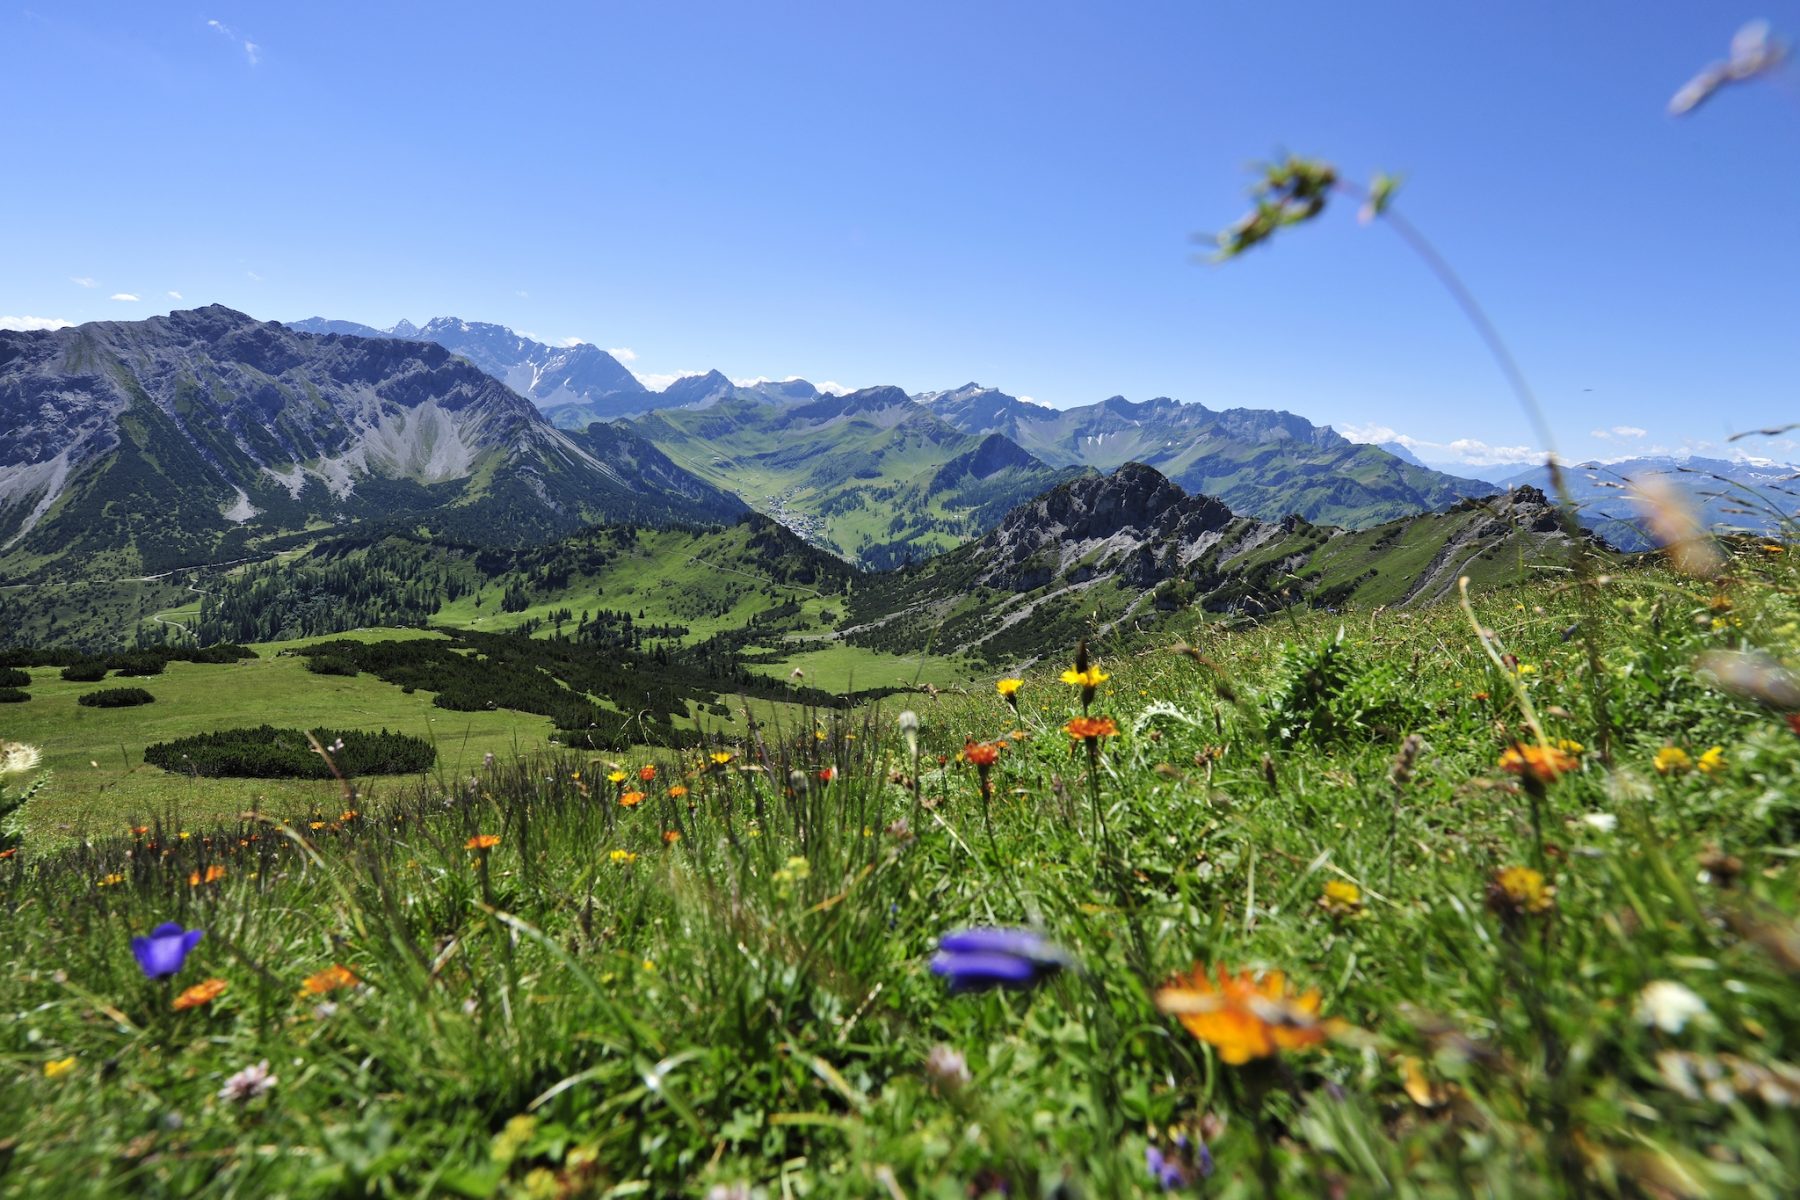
[[650, 964], [1341, 898], [112, 880], [1244, 1016], [1009, 687], [1527, 669], [1713, 761], [721, 757], [1516, 891], [624, 856], [1093, 677], [616, 777], [57, 1067], [1568, 746], [1672, 760]]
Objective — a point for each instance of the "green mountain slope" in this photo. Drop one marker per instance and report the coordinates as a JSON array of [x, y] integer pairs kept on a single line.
[[1261, 463], [870, 475]]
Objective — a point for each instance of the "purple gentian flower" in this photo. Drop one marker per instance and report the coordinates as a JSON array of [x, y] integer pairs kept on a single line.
[[162, 953], [974, 960], [1179, 1167]]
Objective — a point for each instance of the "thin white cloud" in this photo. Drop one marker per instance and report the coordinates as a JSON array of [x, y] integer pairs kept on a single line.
[[570, 343], [84, 281], [252, 51], [126, 296], [253, 276], [624, 354], [833, 387], [1630, 431], [33, 324], [174, 295], [523, 295], [1467, 452]]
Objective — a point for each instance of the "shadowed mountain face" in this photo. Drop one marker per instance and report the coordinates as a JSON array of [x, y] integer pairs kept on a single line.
[[138, 446], [1726, 496], [1263, 463], [1099, 551]]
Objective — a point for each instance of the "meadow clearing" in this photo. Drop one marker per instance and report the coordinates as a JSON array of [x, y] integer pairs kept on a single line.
[[1307, 909]]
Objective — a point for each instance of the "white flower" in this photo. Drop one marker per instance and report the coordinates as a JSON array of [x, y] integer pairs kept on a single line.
[[1604, 822], [248, 1084], [947, 1068], [1668, 1006]]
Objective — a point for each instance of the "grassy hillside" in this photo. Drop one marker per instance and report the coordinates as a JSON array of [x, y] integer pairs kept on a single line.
[[1586, 974]]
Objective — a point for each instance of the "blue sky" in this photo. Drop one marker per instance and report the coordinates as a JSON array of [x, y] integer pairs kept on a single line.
[[927, 194]]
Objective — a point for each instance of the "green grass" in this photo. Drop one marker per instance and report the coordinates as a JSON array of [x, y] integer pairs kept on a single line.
[[594, 1010], [98, 781]]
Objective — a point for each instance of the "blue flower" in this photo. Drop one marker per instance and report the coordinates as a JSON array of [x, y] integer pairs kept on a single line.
[[974, 960], [162, 953], [1180, 1166]]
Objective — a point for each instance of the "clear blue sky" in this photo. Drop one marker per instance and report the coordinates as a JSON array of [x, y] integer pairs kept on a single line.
[[926, 194]]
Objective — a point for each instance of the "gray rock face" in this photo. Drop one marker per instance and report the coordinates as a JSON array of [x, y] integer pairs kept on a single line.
[[149, 442]]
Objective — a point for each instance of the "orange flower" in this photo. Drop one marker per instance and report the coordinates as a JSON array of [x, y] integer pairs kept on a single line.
[[1088, 729], [482, 842], [213, 875], [671, 836], [678, 791], [1244, 1016], [1541, 765], [981, 754], [647, 773], [336, 976], [9, 852], [200, 993], [631, 799], [349, 814]]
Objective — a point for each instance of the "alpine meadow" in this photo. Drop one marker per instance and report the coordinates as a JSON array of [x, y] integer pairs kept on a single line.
[[467, 759]]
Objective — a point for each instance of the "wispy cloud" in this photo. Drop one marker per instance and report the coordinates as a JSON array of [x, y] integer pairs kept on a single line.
[[83, 281], [253, 276], [174, 295], [834, 387], [33, 324], [656, 382], [623, 353], [1468, 452], [570, 343], [1631, 432], [523, 295], [252, 51], [125, 296]]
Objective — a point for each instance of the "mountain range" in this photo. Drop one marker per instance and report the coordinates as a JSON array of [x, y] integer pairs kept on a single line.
[[135, 447], [1726, 495]]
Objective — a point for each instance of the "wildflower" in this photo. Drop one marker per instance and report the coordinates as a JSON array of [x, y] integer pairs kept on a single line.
[[1525, 669], [1341, 898], [213, 875], [140, 830], [975, 960], [616, 777], [671, 836], [720, 757], [1090, 729], [1243, 1016], [1672, 760], [1538, 766], [248, 1084], [827, 774], [487, 760], [162, 953], [1603, 822], [481, 843], [677, 792], [623, 856], [112, 880], [324, 1010], [58, 1067], [947, 1069], [1009, 691], [1091, 677], [1519, 891], [318, 825], [8, 852], [332, 978], [200, 994], [908, 725], [1179, 1166], [631, 799], [981, 754], [1712, 762], [1668, 1006], [647, 773]]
